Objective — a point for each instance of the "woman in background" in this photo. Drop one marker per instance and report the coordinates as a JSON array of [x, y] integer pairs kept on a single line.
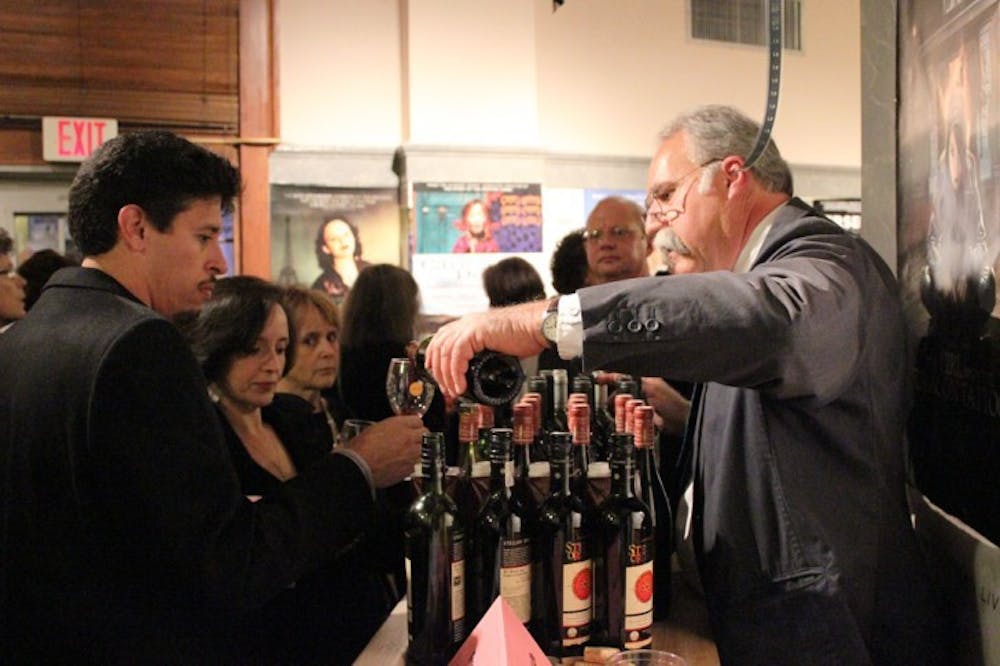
[[338, 252], [511, 281], [380, 317], [317, 359]]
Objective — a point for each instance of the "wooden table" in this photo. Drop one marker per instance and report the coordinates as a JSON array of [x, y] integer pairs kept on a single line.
[[686, 632]]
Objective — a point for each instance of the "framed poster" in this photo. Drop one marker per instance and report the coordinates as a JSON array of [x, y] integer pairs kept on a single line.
[[461, 228], [949, 250], [323, 236]]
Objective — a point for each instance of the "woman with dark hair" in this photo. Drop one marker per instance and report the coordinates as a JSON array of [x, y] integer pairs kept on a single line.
[[512, 280], [36, 271], [379, 322], [380, 317], [338, 253], [569, 263], [247, 341], [476, 228], [242, 339]]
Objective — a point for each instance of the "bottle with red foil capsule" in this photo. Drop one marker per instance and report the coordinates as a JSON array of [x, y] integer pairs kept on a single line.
[[620, 400], [630, 406], [538, 451], [435, 565], [524, 495], [579, 422], [651, 490], [627, 536], [565, 542]]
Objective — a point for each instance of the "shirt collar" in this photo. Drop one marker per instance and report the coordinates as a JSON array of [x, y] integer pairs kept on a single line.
[[750, 251]]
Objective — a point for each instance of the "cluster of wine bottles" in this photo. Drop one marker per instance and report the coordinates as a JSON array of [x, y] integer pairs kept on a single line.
[[574, 558]]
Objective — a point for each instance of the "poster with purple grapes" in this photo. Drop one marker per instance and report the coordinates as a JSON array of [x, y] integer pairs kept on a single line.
[[472, 218]]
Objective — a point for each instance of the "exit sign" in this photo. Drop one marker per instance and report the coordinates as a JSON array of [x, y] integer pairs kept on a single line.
[[74, 139]]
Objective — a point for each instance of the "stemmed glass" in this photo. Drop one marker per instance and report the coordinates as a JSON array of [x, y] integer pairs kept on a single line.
[[407, 390]]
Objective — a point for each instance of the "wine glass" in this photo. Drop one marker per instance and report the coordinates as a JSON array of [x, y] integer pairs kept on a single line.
[[407, 390]]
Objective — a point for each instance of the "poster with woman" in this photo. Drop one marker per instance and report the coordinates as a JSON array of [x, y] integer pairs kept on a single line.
[[460, 228], [468, 218], [323, 237]]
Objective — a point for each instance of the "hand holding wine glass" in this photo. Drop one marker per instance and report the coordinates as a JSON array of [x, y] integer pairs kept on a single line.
[[407, 390]]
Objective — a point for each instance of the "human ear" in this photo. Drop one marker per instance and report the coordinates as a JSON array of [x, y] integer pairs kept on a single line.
[[133, 227]]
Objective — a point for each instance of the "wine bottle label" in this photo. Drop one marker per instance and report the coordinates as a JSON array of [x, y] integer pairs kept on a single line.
[[577, 600], [639, 596], [457, 585], [515, 576]]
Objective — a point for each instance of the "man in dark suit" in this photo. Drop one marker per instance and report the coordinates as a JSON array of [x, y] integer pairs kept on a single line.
[[793, 329], [125, 537]]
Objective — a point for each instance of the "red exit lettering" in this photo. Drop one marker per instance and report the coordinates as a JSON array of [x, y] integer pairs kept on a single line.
[[79, 138]]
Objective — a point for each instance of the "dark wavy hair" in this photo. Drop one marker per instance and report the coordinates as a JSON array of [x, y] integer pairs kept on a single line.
[[158, 171], [36, 271], [325, 260], [512, 280], [382, 306], [569, 263], [228, 326]]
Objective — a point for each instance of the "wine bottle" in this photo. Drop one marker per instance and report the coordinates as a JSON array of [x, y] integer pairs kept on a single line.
[[565, 545], [503, 543], [491, 379], [654, 494], [579, 422], [538, 391], [627, 531], [468, 436], [560, 390], [620, 401], [435, 565]]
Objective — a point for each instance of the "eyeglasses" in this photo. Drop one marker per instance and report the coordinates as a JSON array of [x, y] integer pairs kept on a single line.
[[655, 203], [616, 233]]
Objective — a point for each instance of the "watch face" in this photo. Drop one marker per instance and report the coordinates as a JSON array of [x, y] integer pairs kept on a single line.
[[549, 326]]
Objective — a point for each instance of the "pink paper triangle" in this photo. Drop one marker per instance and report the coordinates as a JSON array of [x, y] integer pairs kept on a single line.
[[500, 639]]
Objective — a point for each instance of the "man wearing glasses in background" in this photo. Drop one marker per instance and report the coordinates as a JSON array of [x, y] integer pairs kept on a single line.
[[794, 332], [615, 241]]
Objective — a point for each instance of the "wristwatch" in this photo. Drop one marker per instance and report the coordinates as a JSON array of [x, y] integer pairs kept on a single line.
[[550, 323]]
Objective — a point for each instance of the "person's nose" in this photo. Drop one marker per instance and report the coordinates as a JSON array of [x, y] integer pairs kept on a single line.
[[217, 260]]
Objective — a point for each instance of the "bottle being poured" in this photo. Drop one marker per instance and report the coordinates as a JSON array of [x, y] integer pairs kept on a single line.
[[492, 379]]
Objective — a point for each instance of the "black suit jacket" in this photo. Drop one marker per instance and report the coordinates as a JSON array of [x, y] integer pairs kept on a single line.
[[125, 536]]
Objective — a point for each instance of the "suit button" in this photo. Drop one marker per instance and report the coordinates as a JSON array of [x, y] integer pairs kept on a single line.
[[634, 326], [614, 326], [652, 325]]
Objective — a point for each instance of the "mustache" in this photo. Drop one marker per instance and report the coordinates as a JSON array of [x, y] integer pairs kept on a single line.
[[666, 240]]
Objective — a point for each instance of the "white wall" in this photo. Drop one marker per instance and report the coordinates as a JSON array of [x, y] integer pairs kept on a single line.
[[596, 77]]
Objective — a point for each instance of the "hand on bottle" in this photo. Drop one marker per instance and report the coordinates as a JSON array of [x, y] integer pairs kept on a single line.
[[514, 330], [391, 448], [671, 407]]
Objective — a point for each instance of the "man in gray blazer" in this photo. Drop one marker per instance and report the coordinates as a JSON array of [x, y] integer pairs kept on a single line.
[[124, 535], [793, 331]]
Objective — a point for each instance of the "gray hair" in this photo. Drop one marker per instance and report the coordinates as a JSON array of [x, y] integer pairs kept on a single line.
[[717, 131]]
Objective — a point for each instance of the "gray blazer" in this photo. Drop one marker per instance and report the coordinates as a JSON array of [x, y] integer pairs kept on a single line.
[[800, 519]]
